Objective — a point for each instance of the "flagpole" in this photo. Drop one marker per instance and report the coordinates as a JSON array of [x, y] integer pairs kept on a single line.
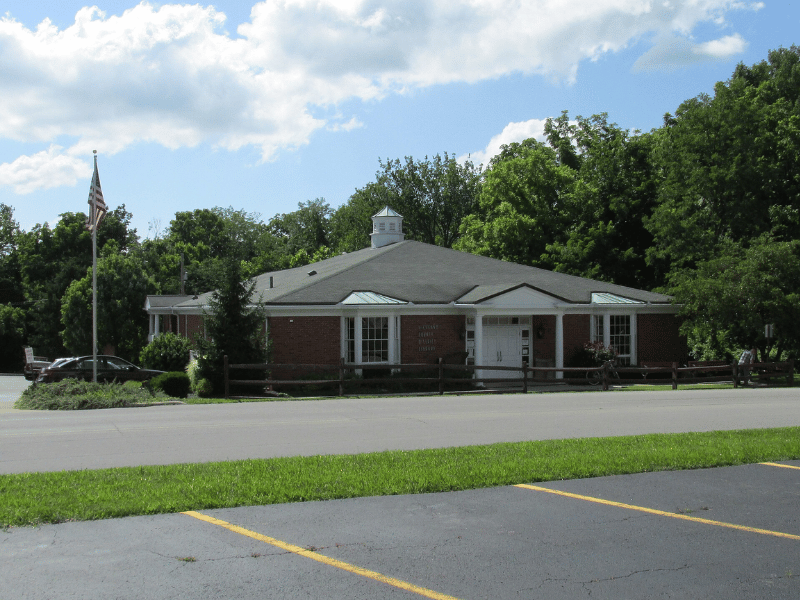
[[97, 210], [94, 283]]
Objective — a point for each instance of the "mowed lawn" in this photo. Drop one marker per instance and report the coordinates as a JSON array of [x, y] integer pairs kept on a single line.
[[33, 498]]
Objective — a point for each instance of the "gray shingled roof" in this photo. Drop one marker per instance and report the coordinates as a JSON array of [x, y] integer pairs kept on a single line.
[[423, 274], [166, 301]]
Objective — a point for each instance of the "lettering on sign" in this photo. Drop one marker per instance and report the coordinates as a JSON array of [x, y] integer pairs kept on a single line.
[[427, 338]]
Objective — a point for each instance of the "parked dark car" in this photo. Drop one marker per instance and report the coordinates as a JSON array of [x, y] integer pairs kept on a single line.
[[31, 370], [109, 368]]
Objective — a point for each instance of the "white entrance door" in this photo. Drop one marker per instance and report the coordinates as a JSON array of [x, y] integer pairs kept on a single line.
[[502, 346]]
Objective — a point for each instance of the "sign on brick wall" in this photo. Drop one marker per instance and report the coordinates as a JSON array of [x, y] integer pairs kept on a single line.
[[427, 338]]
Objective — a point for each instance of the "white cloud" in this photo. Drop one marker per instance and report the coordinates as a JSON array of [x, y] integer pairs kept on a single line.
[[43, 170], [513, 132], [675, 52], [353, 123], [172, 75], [723, 47]]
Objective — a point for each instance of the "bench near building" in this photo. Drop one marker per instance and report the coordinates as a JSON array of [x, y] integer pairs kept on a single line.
[[402, 301]]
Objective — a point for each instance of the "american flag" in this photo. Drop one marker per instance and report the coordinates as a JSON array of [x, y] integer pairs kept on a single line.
[[97, 207]]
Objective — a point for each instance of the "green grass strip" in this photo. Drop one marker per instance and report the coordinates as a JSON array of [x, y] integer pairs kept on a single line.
[[32, 498]]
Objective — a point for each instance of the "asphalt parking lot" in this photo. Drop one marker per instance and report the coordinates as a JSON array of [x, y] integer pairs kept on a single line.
[[728, 533]]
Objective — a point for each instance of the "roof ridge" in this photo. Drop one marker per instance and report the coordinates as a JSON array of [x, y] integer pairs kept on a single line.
[[368, 257], [541, 269]]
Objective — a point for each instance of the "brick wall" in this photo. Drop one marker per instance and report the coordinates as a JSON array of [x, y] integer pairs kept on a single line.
[[317, 340], [577, 331], [425, 339], [305, 340], [193, 327], [659, 339], [543, 348]]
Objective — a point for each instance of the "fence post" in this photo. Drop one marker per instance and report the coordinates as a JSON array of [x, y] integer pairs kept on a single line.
[[441, 377], [524, 378], [341, 376], [735, 373], [605, 376], [225, 368], [674, 376], [791, 372]]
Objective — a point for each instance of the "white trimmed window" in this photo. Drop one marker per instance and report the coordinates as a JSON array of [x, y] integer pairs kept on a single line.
[[615, 331], [598, 329], [620, 337], [374, 339], [350, 339]]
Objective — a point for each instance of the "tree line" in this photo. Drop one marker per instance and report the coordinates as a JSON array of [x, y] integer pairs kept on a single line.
[[705, 207]]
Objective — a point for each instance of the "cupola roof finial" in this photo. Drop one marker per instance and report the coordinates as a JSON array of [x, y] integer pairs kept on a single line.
[[387, 227]]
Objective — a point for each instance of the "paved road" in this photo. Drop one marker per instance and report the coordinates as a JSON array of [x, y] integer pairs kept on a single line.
[[52, 441], [11, 386], [731, 533]]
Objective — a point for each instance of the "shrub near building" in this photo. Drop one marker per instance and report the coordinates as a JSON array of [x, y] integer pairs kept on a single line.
[[167, 352], [175, 384]]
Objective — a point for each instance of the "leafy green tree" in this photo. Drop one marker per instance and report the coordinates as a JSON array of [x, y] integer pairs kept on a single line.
[[270, 255], [10, 270], [727, 300], [51, 259], [122, 287], [9, 229], [606, 237], [526, 200], [433, 195], [729, 164], [234, 326], [304, 230], [13, 334], [207, 239]]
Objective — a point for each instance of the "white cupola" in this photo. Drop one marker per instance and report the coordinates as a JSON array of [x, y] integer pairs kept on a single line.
[[387, 228]]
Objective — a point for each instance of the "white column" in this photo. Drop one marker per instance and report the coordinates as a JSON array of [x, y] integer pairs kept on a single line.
[[559, 345], [634, 340], [392, 335], [151, 328], [478, 344], [343, 337], [158, 325], [357, 336], [398, 332]]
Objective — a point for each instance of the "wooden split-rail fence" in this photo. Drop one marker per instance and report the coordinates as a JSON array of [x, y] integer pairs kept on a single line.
[[441, 377]]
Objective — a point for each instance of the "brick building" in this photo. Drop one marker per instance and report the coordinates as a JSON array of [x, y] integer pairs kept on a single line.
[[402, 301]]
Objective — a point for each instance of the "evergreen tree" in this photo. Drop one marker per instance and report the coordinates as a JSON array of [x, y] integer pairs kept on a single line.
[[234, 327]]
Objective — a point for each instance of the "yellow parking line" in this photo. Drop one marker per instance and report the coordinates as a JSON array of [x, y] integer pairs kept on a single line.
[[661, 513], [780, 465], [403, 585]]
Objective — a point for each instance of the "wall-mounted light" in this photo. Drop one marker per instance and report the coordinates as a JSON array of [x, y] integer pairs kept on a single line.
[[540, 332]]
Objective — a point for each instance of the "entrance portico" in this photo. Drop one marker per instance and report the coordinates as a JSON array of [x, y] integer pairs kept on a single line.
[[502, 332]]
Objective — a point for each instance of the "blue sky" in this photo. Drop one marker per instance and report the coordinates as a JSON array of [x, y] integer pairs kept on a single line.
[[262, 106]]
